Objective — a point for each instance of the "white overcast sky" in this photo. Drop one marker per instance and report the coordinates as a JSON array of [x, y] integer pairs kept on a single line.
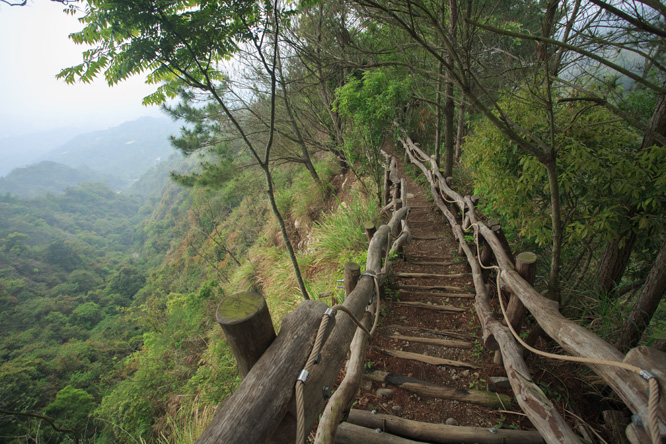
[[34, 47]]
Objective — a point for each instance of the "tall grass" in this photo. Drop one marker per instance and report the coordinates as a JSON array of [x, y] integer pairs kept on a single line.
[[340, 234]]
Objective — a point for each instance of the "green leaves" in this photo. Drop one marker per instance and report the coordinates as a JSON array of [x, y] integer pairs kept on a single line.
[[177, 42]]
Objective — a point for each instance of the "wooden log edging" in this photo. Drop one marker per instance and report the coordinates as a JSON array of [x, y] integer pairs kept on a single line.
[[530, 397], [440, 433], [423, 388]]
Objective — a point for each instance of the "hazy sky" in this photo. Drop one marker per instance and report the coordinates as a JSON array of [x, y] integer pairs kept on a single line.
[[34, 46]]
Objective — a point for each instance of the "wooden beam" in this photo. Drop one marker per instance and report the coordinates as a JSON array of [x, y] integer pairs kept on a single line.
[[433, 360], [429, 287], [441, 433], [433, 275], [479, 397], [446, 308], [441, 295], [433, 341], [267, 389], [353, 434]]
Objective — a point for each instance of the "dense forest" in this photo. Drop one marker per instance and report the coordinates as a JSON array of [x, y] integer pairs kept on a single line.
[[553, 112]]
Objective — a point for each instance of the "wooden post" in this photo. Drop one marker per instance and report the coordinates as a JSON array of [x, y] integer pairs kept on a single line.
[[526, 268], [370, 230], [387, 187], [248, 327], [495, 225], [352, 272], [515, 312], [398, 204]]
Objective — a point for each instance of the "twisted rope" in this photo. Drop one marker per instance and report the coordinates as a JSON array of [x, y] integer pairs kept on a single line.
[[316, 349]]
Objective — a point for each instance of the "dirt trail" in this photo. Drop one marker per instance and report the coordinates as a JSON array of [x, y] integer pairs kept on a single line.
[[433, 251]]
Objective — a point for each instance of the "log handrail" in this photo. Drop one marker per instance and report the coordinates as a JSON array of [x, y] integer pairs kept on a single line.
[[572, 337], [258, 411]]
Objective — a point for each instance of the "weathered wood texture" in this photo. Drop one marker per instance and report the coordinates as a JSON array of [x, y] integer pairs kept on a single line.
[[489, 399], [339, 402], [335, 349], [352, 272], [433, 341], [432, 360], [257, 406], [247, 326], [445, 308], [353, 434], [441, 433]]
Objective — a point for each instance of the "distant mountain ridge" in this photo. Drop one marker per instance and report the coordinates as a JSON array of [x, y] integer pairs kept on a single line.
[[118, 156], [20, 151], [125, 151], [48, 177]]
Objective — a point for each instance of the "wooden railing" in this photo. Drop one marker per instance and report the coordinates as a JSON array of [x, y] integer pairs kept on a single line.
[[261, 409], [574, 339]]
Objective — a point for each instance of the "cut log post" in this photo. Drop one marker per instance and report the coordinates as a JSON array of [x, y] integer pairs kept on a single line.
[[495, 225], [352, 272], [479, 397], [526, 268], [515, 312], [255, 409], [370, 230], [403, 192], [247, 326], [397, 204], [486, 258], [440, 433]]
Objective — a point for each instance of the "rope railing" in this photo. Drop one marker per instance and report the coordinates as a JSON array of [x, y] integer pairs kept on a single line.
[[653, 397]]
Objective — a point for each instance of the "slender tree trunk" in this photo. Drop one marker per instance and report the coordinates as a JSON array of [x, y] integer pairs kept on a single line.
[[646, 304], [556, 220], [305, 155], [449, 106], [460, 133], [438, 124], [283, 230]]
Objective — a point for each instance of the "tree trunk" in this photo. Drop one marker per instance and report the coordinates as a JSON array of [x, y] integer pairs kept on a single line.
[[460, 133], [449, 107], [283, 230], [614, 261], [646, 304], [438, 124], [554, 280]]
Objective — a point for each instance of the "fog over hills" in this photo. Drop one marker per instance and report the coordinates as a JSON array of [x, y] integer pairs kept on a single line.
[[20, 151], [117, 156]]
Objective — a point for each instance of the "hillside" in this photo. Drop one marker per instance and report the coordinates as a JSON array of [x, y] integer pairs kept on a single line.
[[20, 151], [49, 177], [123, 152]]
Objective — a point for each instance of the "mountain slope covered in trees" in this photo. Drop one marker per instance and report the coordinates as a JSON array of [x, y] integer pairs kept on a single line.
[[286, 107]]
